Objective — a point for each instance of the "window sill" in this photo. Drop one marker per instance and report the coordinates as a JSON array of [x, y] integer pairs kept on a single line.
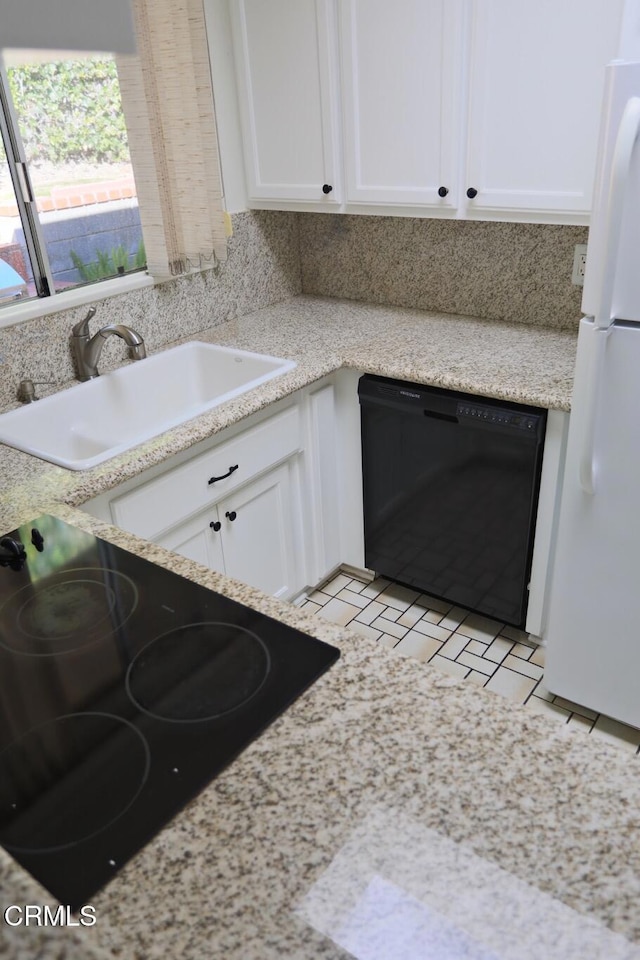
[[41, 307]]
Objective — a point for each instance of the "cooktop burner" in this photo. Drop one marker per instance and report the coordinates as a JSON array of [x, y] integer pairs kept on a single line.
[[198, 672], [124, 690], [72, 610], [69, 761]]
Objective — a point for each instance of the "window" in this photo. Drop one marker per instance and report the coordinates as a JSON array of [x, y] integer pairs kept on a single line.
[[68, 199], [71, 212]]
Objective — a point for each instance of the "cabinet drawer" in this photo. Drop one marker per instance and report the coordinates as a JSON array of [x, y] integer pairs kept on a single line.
[[159, 504]]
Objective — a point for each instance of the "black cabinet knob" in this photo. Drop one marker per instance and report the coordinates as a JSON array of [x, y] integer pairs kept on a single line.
[[231, 514], [443, 191], [472, 192], [215, 525], [326, 188]]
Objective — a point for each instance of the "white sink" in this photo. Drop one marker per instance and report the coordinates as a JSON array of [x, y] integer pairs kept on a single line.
[[91, 422]]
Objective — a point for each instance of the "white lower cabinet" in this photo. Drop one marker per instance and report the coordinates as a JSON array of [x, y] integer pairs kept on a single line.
[[250, 536], [233, 504], [246, 503], [259, 526], [333, 474]]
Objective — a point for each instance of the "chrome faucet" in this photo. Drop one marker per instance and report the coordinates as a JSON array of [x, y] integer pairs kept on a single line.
[[86, 349]]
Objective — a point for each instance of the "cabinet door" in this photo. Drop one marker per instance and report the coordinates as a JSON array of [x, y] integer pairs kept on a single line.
[[197, 540], [286, 76], [401, 71], [258, 534], [535, 92]]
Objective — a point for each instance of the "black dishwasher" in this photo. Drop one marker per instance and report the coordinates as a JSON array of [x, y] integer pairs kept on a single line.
[[450, 485]]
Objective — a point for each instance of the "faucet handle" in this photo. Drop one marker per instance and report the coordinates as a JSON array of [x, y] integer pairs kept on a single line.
[[81, 328]]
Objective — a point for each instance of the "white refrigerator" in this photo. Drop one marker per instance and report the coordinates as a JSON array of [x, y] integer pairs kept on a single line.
[[593, 625]]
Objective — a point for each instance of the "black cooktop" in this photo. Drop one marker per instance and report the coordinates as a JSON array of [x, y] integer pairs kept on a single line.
[[124, 690]]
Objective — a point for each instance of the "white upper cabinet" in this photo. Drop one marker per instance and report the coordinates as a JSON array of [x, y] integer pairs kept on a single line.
[[286, 72], [485, 109], [401, 72], [535, 80]]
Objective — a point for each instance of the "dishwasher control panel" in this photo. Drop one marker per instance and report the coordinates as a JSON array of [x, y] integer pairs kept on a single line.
[[498, 415]]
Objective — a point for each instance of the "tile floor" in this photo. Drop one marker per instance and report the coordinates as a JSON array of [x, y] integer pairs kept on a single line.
[[463, 644]]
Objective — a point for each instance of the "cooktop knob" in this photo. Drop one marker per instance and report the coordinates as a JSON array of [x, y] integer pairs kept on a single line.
[[37, 540], [12, 553]]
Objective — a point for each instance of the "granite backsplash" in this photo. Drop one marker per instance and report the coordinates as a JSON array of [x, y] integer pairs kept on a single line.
[[517, 272], [263, 268], [502, 271]]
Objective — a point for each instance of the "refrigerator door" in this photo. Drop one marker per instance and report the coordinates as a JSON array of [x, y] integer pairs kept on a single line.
[[593, 626], [612, 279]]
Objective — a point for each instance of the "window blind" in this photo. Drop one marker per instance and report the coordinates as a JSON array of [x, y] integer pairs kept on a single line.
[[168, 105]]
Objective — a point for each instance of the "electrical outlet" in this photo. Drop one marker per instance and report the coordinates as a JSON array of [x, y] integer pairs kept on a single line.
[[579, 264]]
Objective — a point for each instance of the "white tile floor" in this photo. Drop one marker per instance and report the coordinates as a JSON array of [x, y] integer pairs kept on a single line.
[[464, 644]]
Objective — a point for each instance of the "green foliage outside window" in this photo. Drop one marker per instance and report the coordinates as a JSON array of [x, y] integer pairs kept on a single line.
[[109, 263], [70, 111]]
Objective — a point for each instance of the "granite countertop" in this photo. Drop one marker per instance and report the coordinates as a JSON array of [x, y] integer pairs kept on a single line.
[[391, 805], [510, 361]]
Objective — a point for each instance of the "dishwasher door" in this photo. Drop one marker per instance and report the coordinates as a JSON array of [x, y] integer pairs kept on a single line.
[[450, 485]]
